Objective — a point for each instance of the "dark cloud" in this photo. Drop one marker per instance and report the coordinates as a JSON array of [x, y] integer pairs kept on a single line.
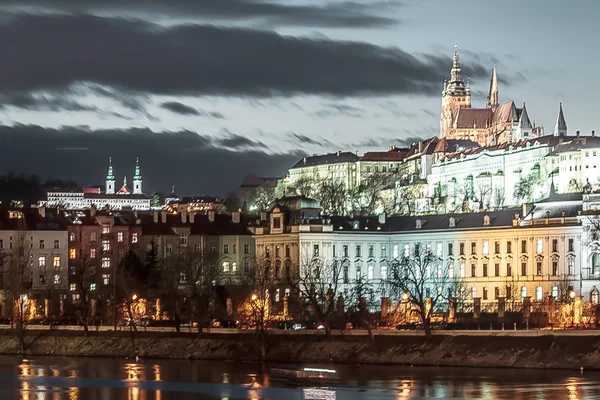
[[42, 102], [166, 158], [331, 15], [333, 109], [303, 139], [132, 56], [183, 109], [234, 141]]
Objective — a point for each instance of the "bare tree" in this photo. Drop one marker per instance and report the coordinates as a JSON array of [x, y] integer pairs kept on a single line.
[[405, 199], [362, 293], [425, 281], [333, 196], [304, 185], [84, 276]]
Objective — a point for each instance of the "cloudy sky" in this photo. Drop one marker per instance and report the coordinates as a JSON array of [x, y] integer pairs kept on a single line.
[[206, 91]]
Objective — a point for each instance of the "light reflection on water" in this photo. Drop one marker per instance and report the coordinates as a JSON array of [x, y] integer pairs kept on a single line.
[[107, 379]]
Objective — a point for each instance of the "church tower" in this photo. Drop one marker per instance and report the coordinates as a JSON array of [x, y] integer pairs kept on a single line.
[[110, 178], [454, 97], [492, 99], [137, 178], [560, 129]]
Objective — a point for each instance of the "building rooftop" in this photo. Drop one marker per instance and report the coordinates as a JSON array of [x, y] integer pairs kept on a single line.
[[330, 158]]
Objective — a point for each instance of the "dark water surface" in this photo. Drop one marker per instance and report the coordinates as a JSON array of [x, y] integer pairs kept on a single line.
[[108, 379]]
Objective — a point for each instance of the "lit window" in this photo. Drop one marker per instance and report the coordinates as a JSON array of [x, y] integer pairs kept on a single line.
[[395, 251], [474, 292], [72, 237], [106, 245], [105, 229], [92, 253], [56, 261], [105, 262], [72, 254], [523, 292], [93, 237], [225, 266], [462, 270], [56, 279], [539, 293], [439, 249], [384, 273], [92, 287], [134, 237], [406, 250], [182, 277], [540, 246], [234, 267], [73, 287], [486, 247], [439, 271], [370, 271], [120, 237], [106, 279], [383, 251], [183, 239], [450, 272], [42, 261]]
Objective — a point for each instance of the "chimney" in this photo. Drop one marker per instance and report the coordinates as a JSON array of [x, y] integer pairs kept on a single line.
[[382, 218], [156, 217], [338, 153], [42, 211], [183, 216], [163, 217], [304, 160], [593, 133], [525, 208], [211, 216], [263, 215], [235, 217], [135, 213], [577, 133], [420, 147], [192, 214]]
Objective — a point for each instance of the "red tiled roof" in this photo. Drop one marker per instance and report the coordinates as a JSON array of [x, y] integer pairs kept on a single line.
[[469, 118]]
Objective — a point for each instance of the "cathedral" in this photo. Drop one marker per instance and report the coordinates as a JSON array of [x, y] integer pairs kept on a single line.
[[495, 124]]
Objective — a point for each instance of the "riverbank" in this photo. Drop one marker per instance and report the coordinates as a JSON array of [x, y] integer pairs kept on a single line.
[[546, 351]]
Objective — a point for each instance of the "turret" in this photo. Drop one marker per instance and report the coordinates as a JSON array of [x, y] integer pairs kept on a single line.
[[137, 178], [110, 178]]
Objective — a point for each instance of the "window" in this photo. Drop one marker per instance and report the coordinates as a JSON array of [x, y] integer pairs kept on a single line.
[[42, 244], [461, 249], [496, 293], [105, 262], [120, 237], [555, 291], [234, 267], [473, 270], [277, 223], [42, 279], [56, 261], [92, 253], [56, 279], [371, 251], [428, 249], [508, 292], [473, 247], [93, 237], [485, 293], [226, 250], [358, 273], [57, 244], [439, 250], [316, 250], [384, 274], [509, 247], [105, 229], [225, 266], [497, 247], [246, 266], [539, 293], [486, 247], [439, 271], [72, 254], [523, 292], [105, 245], [406, 250], [121, 253], [182, 277], [213, 249], [538, 268], [345, 272], [497, 269], [485, 269], [358, 251], [523, 246], [539, 246], [473, 292], [555, 245], [554, 268], [42, 261], [288, 253], [370, 271], [571, 244], [73, 287], [523, 268], [462, 270], [246, 249], [92, 287], [450, 249], [571, 266], [71, 236], [450, 271], [383, 251], [234, 249], [169, 250], [395, 251], [508, 269], [106, 279]]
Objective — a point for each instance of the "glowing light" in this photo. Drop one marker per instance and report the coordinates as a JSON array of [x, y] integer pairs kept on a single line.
[[331, 371], [254, 297], [134, 297]]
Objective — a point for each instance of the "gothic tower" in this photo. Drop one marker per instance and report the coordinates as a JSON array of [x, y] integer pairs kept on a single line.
[[110, 178], [492, 99], [137, 178], [560, 129], [454, 96]]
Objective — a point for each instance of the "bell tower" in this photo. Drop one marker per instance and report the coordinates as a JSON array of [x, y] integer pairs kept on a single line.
[[456, 95], [110, 178], [137, 178]]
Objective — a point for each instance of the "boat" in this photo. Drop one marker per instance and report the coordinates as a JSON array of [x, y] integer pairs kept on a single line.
[[303, 373]]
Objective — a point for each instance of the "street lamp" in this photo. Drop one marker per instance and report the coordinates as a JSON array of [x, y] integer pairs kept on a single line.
[[572, 294], [254, 297], [134, 297]]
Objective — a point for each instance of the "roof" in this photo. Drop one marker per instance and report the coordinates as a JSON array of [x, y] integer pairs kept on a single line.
[[30, 219], [222, 225], [506, 112], [468, 118], [384, 156], [116, 196], [256, 181], [330, 158], [577, 142]]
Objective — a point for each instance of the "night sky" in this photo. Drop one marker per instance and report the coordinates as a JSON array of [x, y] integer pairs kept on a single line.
[[206, 91]]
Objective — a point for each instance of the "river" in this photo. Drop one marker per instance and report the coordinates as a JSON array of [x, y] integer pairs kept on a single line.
[[45, 378]]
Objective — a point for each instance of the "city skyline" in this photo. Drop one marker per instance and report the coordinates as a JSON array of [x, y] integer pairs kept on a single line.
[[215, 91]]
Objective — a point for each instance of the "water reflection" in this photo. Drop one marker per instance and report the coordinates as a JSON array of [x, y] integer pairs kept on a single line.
[[106, 379]]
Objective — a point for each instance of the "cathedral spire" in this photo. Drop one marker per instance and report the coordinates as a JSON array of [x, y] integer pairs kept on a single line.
[[110, 178], [560, 129], [456, 85], [137, 178], [110, 175], [492, 100]]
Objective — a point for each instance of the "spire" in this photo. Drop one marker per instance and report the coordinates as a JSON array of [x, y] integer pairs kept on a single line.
[[492, 100], [110, 176], [524, 121], [560, 129], [456, 86], [173, 190], [125, 180], [137, 175]]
